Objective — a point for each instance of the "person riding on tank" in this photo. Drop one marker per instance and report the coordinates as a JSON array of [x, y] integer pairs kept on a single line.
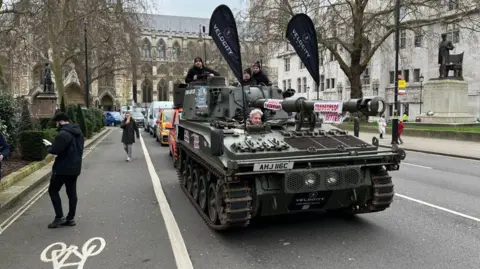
[[259, 76], [198, 70]]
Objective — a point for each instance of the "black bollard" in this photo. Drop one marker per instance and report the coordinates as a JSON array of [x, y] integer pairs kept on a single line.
[[356, 126]]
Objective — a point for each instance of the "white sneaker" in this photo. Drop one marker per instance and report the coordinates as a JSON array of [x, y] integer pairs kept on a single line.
[[128, 159]]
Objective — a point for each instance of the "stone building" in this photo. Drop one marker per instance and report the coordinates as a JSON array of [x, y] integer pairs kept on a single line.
[[167, 46], [418, 63]]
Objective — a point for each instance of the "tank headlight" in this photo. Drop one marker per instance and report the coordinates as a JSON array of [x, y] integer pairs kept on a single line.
[[310, 180], [332, 179]]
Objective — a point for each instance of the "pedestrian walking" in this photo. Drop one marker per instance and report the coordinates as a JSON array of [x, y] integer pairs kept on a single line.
[[4, 150], [130, 128], [400, 131], [68, 148], [382, 123]]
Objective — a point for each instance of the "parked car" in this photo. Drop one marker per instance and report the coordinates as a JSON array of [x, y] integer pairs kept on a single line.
[[152, 115], [162, 131], [172, 135], [139, 118], [112, 118]]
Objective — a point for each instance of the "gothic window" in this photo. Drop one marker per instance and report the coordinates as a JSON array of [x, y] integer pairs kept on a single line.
[[161, 49], [146, 49], [176, 51]]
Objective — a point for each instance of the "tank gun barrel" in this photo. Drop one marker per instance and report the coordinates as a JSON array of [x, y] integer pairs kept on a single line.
[[368, 106]]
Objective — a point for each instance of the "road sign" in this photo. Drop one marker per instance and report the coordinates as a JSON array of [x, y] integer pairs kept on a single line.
[[402, 84]]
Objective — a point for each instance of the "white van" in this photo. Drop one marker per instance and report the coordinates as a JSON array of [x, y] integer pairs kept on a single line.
[[152, 114]]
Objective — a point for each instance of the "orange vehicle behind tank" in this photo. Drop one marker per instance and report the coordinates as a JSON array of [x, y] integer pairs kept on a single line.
[[172, 136]]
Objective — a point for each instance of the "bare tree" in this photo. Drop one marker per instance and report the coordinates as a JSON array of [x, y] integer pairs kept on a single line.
[[55, 32], [353, 30]]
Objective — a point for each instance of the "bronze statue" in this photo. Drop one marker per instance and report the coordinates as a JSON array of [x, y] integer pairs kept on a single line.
[[47, 79], [444, 49]]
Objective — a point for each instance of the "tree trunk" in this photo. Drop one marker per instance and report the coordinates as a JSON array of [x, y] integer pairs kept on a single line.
[[355, 86], [57, 72]]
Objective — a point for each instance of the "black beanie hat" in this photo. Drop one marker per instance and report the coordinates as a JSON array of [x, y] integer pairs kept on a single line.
[[198, 59], [60, 116]]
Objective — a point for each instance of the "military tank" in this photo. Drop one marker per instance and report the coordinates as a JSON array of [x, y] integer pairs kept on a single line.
[[232, 171]]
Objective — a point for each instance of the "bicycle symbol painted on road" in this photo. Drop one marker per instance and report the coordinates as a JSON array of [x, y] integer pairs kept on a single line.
[[58, 253]]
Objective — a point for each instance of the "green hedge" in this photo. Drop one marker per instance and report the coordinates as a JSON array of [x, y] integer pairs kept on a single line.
[[46, 123], [31, 143]]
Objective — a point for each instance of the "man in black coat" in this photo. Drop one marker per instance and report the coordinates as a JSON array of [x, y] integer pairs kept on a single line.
[[129, 127], [68, 148], [199, 70]]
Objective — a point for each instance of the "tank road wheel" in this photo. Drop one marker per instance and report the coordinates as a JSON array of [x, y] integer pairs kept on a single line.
[[190, 177], [195, 177], [187, 171], [212, 202], [221, 205], [202, 190]]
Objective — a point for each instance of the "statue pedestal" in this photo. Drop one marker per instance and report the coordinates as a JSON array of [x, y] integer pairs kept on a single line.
[[448, 100], [47, 104]]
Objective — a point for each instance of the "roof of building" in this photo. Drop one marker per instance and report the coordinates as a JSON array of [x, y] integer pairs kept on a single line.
[[169, 23]]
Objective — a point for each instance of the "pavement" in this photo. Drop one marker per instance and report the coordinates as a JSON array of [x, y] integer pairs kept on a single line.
[[135, 210], [452, 148]]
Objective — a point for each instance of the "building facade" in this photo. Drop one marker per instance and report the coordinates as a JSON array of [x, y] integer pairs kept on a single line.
[[167, 46], [418, 63]]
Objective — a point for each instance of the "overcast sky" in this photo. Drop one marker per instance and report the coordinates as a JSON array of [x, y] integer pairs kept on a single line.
[[195, 8]]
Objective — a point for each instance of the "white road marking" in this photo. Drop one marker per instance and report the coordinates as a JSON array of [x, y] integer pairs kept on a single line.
[[58, 253], [439, 207], [416, 165], [176, 240], [19, 212]]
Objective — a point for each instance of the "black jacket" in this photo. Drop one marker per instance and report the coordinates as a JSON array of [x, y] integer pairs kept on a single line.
[[129, 130], [199, 71], [261, 78], [4, 147], [250, 82], [68, 146]]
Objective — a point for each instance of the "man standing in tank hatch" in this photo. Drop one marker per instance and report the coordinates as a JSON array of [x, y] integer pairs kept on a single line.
[[259, 76], [198, 70]]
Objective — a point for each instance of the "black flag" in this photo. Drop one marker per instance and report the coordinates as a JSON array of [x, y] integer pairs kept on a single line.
[[223, 30], [301, 34]]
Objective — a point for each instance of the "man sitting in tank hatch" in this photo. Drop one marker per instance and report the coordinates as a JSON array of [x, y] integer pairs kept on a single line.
[[198, 70], [247, 78], [259, 76], [255, 117]]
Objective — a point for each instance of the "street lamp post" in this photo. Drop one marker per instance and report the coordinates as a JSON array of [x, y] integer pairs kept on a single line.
[[87, 90], [261, 60], [421, 92], [397, 56]]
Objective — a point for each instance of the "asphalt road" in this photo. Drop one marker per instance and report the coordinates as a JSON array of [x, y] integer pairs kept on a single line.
[[117, 203]]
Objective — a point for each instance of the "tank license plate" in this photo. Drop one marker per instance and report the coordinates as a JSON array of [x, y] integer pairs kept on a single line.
[[273, 166], [311, 200]]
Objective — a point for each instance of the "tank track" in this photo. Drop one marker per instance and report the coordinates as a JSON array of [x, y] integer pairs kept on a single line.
[[238, 195], [383, 193]]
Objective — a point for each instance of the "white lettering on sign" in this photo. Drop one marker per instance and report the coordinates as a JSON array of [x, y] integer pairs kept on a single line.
[[273, 104], [328, 107], [188, 92], [58, 253], [273, 166], [300, 43], [331, 117], [222, 39], [196, 141], [186, 136]]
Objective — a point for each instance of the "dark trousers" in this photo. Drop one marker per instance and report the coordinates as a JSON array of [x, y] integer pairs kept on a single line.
[[56, 183]]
